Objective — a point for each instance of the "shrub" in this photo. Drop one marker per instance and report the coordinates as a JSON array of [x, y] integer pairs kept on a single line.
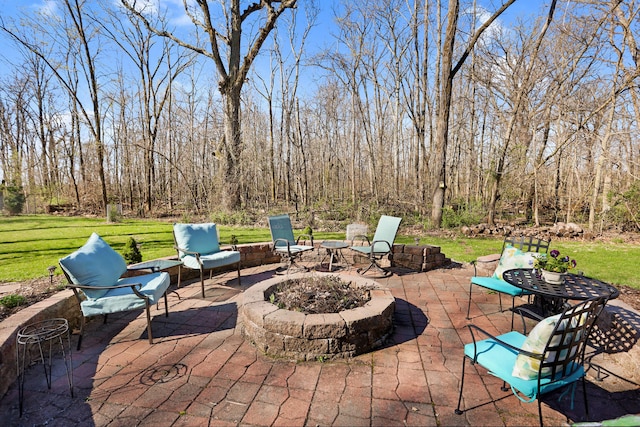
[[14, 198], [131, 252], [12, 300]]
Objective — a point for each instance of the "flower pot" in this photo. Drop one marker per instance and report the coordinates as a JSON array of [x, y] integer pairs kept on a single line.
[[552, 277]]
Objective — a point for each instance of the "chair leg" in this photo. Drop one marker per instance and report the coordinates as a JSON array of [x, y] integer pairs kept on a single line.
[[374, 263], [82, 322], [179, 275], [239, 280], [513, 310], [166, 305], [584, 396], [458, 411], [540, 410], [202, 280], [469, 305], [149, 322]]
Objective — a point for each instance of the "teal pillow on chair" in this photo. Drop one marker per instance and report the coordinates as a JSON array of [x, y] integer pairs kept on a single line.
[[94, 264], [201, 238]]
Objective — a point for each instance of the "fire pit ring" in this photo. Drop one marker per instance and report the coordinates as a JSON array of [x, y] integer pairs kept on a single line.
[[295, 335]]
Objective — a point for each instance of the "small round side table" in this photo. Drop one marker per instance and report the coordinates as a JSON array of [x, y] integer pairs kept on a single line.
[[45, 336]]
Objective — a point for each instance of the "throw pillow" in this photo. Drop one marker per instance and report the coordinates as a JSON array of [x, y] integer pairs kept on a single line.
[[94, 264], [527, 367], [513, 258]]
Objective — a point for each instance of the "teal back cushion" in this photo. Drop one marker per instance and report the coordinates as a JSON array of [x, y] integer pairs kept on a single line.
[[94, 264], [202, 238]]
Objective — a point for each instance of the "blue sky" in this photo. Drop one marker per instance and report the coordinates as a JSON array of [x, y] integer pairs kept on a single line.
[[10, 9]]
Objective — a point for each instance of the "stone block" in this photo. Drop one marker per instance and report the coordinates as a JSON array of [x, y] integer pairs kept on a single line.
[[285, 322], [256, 311], [330, 325], [302, 346]]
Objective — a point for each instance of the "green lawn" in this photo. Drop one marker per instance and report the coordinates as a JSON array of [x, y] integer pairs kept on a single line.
[[30, 244]]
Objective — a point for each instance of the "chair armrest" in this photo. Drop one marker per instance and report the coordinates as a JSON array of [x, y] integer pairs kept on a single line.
[[133, 287], [310, 237], [499, 342], [127, 285], [361, 237], [276, 241], [197, 254], [373, 244]]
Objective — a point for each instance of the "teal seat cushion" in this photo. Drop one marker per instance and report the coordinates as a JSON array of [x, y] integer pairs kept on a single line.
[[153, 285], [201, 238], [95, 264], [498, 285], [499, 361], [214, 260]]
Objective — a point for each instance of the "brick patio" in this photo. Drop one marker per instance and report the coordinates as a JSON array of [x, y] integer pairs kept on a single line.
[[201, 372]]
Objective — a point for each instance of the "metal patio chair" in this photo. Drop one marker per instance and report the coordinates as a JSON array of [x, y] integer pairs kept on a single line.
[[382, 244], [517, 252], [286, 244], [551, 357]]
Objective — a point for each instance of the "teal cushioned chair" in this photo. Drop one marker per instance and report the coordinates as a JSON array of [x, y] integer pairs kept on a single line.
[[285, 243], [94, 274], [524, 245], [381, 245], [559, 363], [199, 249]]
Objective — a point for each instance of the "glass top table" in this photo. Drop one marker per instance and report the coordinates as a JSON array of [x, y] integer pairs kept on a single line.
[[334, 252], [156, 265]]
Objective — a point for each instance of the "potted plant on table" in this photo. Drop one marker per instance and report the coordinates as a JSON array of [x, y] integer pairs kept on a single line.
[[552, 266]]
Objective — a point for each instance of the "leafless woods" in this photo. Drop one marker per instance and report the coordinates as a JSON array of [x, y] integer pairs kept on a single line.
[[104, 104]]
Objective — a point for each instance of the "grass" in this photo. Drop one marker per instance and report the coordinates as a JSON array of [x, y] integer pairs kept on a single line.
[[31, 243]]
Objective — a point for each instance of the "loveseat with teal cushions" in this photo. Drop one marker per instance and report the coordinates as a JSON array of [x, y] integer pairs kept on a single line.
[[94, 273]]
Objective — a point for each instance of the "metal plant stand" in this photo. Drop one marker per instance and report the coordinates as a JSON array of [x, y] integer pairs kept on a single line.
[[44, 336]]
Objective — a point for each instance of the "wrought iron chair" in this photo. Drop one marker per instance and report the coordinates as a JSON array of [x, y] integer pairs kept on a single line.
[[94, 274], [552, 356], [381, 245], [199, 249], [284, 242], [517, 252]]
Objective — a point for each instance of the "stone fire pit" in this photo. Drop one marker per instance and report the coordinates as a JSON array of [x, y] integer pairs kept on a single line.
[[292, 334]]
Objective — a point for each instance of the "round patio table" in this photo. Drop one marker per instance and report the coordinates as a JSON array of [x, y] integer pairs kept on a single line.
[[334, 252], [553, 296]]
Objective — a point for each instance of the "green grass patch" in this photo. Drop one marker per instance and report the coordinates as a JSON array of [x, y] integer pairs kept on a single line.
[[31, 243]]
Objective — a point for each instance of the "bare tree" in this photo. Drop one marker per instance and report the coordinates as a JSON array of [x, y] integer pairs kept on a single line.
[[448, 72], [232, 73]]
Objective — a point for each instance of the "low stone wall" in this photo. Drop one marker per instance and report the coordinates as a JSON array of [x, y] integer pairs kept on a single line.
[[295, 335], [418, 257]]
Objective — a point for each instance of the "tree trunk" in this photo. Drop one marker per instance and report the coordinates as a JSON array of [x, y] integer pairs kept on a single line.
[[231, 183]]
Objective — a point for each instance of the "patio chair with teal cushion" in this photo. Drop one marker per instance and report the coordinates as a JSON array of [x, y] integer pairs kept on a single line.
[[382, 244], [284, 242], [517, 252], [94, 273], [550, 357], [198, 248]]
